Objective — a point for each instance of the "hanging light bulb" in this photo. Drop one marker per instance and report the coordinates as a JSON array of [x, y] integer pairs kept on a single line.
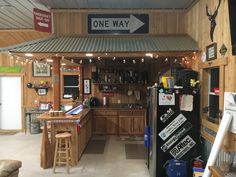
[[134, 61], [166, 60], [175, 61], [114, 58], [99, 58], [142, 60], [81, 61], [90, 60], [124, 61]]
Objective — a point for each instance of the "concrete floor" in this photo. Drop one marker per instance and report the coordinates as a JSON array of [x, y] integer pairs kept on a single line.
[[110, 164]]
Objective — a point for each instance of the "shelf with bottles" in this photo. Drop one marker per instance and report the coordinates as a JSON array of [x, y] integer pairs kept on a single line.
[[119, 76]]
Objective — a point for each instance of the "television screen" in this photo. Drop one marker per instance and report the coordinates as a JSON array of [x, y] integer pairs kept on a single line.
[[232, 20]]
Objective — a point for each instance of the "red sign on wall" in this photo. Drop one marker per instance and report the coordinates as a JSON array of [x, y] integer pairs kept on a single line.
[[42, 20]]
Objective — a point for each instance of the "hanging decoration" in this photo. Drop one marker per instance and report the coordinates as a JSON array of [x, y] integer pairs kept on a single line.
[[212, 19]]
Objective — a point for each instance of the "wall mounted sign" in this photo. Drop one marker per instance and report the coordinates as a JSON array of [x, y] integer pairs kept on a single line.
[[211, 52], [10, 69], [41, 69], [42, 20], [223, 50], [87, 86], [118, 23]]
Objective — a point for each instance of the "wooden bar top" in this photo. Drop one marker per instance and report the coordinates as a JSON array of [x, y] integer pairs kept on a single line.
[[80, 116]]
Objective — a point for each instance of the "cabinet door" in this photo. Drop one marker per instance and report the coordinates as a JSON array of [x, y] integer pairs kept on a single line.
[[138, 125], [99, 125], [125, 125], [82, 139], [112, 125], [88, 130]]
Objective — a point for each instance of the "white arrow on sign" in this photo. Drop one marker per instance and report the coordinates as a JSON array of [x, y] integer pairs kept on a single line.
[[43, 24], [132, 23]]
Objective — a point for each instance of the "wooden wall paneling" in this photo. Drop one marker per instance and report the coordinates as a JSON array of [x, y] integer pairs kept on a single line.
[[75, 22], [13, 37]]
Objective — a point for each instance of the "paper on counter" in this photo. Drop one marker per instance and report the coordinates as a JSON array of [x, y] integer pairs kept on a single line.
[[186, 102]]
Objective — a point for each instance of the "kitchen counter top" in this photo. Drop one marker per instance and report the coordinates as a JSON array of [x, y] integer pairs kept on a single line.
[[47, 117], [121, 106]]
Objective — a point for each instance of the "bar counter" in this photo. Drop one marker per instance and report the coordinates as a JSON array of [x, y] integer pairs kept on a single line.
[[75, 124]]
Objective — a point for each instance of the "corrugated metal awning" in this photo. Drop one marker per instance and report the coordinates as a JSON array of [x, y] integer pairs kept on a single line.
[[81, 44]]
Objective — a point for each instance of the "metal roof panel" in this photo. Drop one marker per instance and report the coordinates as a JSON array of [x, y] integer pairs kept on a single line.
[[68, 44]]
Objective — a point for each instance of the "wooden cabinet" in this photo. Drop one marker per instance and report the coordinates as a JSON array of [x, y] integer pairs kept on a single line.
[[99, 125], [112, 125], [131, 122], [125, 124], [105, 121], [85, 133], [115, 121]]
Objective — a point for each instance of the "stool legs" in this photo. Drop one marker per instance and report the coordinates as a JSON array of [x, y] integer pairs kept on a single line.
[[55, 156], [63, 153]]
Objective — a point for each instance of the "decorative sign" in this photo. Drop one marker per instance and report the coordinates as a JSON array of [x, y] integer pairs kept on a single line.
[[182, 147], [211, 52], [41, 69], [167, 115], [223, 50], [42, 20], [174, 125], [118, 23], [10, 69], [87, 86], [108, 94], [181, 132], [166, 99]]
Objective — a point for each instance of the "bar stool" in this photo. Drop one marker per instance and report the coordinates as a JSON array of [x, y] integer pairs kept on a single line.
[[63, 150]]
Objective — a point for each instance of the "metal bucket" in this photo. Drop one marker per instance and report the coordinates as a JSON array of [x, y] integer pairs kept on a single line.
[[35, 127]]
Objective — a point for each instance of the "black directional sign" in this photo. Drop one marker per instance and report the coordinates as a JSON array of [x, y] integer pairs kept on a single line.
[[118, 23]]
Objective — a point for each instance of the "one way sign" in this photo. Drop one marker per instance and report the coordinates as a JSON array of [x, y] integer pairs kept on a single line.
[[118, 23]]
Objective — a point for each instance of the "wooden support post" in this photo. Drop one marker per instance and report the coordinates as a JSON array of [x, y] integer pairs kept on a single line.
[[56, 83]]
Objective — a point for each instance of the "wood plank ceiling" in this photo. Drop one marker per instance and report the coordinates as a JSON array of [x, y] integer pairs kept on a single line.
[[17, 15]]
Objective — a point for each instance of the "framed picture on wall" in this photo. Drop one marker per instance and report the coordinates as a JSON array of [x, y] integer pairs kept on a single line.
[[42, 91], [87, 86], [211, 52], [41, 69]]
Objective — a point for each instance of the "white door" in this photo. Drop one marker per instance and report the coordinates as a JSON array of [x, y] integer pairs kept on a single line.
[[10, 102]]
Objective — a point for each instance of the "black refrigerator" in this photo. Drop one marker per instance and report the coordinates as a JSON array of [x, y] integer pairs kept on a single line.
[[174, 127]]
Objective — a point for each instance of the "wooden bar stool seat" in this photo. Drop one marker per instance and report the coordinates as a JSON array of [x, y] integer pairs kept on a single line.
[[63, 150]]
